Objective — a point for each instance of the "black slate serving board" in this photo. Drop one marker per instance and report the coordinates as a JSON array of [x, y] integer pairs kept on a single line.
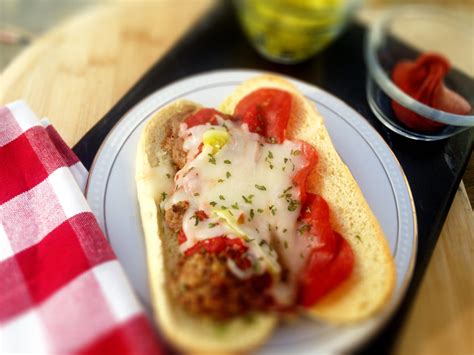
[[433, 169]]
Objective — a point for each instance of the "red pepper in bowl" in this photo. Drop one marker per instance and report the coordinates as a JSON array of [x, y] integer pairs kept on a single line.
[[423, 80]]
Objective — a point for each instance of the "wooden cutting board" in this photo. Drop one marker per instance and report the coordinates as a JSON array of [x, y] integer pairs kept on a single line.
[[75, 73]]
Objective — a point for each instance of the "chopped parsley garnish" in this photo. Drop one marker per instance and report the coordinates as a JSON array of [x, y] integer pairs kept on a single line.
[[187, 172], [212, 159], [227, 161], [268, 159], [358, 237], [293, 205], [304, 228], [272, 209], [295, 152], [252, 214], [196, 194], [247, 199], [228, 174], [259, 210], [163, 196], [168, 175], [212, 225], [235, 206], [271, 140], [285, 230], [285, 243], [260, 187], [213, 203], [196, 219], [230, 212], [221, 197], [286, 160], [220, 180]]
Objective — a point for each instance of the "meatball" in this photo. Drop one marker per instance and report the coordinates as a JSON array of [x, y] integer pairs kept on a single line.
[[205, 286], [174, 215], [173, 144]]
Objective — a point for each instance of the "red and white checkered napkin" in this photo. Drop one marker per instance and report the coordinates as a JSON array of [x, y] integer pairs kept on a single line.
[[61, 288]]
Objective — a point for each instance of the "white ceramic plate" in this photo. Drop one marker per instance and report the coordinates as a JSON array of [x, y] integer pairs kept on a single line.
[[112, 197]]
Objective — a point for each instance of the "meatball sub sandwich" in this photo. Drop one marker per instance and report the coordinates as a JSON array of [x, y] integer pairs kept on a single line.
[[250, 215]]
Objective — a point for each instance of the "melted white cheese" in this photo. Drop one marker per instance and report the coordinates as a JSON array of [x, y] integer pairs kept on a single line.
[[250, 182]]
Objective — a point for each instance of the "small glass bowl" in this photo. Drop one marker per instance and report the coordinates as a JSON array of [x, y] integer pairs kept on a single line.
[[404, 33]]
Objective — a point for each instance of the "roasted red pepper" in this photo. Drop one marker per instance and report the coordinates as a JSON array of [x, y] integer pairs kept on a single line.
[[423, 80]]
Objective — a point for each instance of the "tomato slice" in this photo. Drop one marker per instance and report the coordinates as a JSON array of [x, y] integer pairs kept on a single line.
[[324, 273], [315, 213], [203, 116], [301, 176], [331, 262], [201, 215], [181, 237], [217, 245], [266, 112]]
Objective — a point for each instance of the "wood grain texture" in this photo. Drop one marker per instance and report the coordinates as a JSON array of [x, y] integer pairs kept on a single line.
[[74, 74], [442, 317]]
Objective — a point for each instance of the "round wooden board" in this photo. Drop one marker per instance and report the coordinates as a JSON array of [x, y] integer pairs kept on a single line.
[[74, 74]]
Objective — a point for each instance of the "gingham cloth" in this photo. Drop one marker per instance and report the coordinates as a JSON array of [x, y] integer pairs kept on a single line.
[[61, 288]]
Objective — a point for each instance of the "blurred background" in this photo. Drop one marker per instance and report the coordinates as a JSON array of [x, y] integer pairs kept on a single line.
[[21, 21]]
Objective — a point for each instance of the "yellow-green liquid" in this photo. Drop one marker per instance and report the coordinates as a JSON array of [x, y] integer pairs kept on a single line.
[[290, 31]]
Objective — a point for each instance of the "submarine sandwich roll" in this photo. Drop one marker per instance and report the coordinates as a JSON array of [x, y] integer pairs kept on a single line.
[[250, 215]]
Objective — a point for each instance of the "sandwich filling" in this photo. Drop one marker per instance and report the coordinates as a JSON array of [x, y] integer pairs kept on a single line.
[[250, 236]]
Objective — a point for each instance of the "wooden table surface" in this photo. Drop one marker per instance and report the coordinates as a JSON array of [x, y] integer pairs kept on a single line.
[[75, 73]]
